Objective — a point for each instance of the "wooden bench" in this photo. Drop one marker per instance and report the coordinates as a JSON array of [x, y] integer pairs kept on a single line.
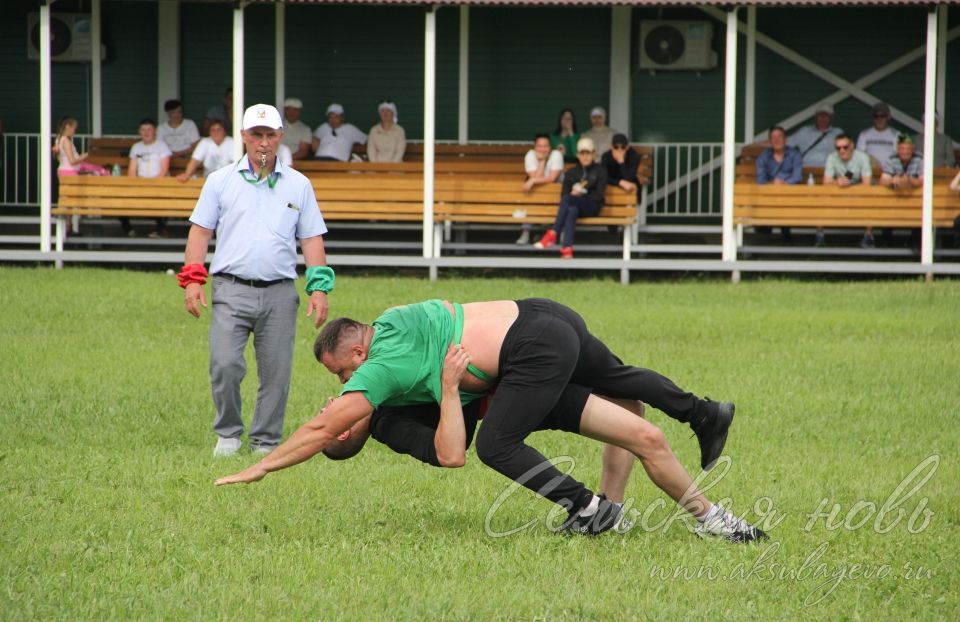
[[830, 206], [359, 198], [472, 200]]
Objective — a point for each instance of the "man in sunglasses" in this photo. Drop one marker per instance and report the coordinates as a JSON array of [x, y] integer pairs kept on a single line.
[[582, 196], [334, 139], [846, 167], [879, 141]]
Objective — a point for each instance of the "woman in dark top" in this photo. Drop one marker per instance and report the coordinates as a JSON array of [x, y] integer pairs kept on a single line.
[[583, 189], [621, 164]]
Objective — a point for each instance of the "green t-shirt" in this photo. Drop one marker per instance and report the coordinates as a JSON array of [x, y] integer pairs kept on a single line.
[[405, 360]]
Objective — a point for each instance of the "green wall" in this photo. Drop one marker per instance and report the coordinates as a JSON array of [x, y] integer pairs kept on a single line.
[[525, 64]]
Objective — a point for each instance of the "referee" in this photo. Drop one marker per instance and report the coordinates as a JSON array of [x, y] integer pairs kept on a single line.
[[259, 209]]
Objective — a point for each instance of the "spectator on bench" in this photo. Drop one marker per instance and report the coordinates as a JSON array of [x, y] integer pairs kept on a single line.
[[564, 138], [334, 139], [222, 111], [582, 197], [149, 158], [213, 152], [903, 170], [387, 141], [297, 135], [955, 186], [621, 163], [880, 141], [600, 133], [70, 162], [543, 165], [780, 164], [815, 142], [180, 134], [943, 154], [846, 167]]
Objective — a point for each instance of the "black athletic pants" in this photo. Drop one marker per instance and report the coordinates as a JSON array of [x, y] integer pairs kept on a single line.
[[548, 347]]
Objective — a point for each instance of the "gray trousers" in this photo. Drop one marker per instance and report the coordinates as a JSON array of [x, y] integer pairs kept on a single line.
[[270, 313]]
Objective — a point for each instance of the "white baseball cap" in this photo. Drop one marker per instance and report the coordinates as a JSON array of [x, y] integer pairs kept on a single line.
[[598, 111], [824, 107], [292, 102], [261, 115], [585, 144], [335, 109]]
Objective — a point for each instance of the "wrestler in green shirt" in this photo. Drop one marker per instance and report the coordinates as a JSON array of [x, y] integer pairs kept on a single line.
[[406, 356]]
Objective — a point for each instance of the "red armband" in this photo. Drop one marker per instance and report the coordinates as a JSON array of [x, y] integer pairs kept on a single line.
[[194, 273]]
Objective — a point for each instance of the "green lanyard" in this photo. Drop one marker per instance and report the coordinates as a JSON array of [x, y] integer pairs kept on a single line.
[[248, 177]]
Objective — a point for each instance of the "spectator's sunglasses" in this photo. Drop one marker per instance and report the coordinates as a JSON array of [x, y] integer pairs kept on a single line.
[[845, 147], [619, 147]]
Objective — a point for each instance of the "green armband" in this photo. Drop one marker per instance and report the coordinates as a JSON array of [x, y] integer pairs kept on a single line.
[[320, 279]]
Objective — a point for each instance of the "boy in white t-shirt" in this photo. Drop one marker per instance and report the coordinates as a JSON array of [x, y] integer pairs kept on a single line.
[[543, 165], [180, 134], [148, 158], [213, 152]]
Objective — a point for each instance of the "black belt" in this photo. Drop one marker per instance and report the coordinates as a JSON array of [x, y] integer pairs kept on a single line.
[[250, 282]]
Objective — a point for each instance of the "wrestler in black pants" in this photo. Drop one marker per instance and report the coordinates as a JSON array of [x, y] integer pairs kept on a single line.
[[548, 347]]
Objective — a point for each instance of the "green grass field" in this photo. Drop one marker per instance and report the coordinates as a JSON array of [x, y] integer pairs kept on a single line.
[[109, 511]]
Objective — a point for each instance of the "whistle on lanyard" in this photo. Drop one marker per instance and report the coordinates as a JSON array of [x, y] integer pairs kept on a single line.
[[263, 160]]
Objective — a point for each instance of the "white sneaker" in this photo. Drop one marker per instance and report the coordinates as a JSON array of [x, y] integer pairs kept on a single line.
[[524, 238], [262, 450], [226, 447], [719, 523]]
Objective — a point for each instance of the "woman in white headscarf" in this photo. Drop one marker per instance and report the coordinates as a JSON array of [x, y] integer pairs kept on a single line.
[[387, 141]]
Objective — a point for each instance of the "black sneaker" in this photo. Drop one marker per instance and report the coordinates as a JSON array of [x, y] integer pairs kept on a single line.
[[712, 435], [604, 519]]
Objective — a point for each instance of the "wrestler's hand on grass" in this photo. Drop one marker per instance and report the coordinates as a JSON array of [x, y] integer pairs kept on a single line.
[[454, 366], [246, 476]]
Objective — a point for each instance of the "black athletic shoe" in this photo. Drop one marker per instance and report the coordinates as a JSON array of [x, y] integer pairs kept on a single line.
[[712, 435], [604, 519]]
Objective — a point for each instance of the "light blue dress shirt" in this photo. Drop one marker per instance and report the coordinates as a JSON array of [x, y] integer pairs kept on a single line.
[[258, 223]]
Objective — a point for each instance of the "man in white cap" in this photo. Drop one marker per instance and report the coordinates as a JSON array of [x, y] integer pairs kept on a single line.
[[600, 133], [815, 142], [297, 135], [387, 141], [259, 208], [334, 139]]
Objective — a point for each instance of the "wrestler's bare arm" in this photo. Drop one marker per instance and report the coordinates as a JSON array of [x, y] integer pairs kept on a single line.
[[310, 439]]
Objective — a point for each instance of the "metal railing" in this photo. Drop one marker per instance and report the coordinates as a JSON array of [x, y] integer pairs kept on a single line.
[[20, 171], [687, 180]]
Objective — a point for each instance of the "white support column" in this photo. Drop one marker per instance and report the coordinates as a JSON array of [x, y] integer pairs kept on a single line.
[[620, 84], [280, 54], [930, 93], [750, 80], [942, 65], [729, 138], [46, 192], [429, 128], [238, 98], [463, 98], [96, 73], [168, 53]]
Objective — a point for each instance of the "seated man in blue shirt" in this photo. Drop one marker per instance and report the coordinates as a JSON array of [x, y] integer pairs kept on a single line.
[[780, 164]]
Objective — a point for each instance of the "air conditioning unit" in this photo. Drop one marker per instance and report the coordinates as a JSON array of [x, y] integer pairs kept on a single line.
[[69, 37], [669, 44]]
